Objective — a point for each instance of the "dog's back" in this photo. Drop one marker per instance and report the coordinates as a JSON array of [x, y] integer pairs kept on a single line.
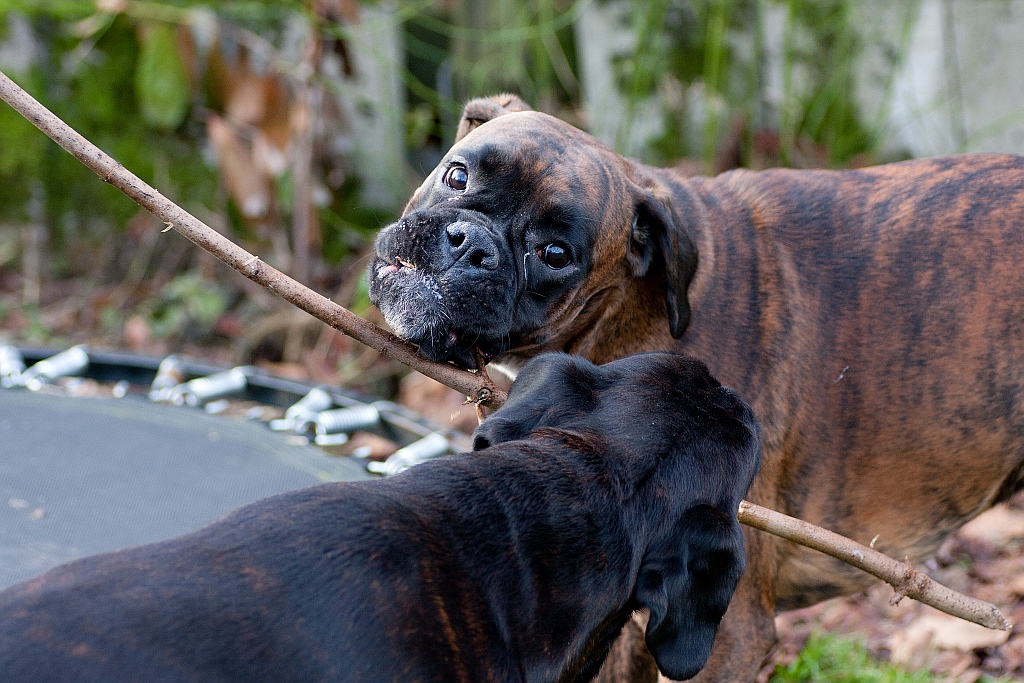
[[519, 562], [890, 298]]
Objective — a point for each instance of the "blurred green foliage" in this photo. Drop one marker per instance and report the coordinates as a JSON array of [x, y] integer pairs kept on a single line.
[[161, 86], [119, 80], [691, 42], [827, 112], [98, 92], [187, 307], [463, 49], [90, 63], [714, 49]]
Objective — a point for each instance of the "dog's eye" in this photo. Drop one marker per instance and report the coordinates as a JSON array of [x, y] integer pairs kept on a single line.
[[456, 177], [555, 255]]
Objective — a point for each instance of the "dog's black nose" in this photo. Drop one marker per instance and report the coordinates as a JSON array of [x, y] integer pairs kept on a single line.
[[472, 245]]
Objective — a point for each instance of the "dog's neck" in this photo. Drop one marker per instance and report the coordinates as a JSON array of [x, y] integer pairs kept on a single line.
[[625, 322], [534, 594]]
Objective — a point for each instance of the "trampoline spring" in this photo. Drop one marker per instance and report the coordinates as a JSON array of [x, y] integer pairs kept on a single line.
[[431, 446], [64, 364], [198, 391], [169, 374], [340, 421], [303, 410], [12, 365], [331, 439], [317, 400]]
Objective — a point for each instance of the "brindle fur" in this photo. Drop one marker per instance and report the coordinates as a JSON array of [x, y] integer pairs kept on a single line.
[[518, 563], [874, 318]]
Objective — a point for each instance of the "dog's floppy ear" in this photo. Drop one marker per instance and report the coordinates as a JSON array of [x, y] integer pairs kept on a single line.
[[659, 240], [549, 386], [484, 109], [686, 586]]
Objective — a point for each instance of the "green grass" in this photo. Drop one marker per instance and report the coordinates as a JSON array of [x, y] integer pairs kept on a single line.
[[832, 659]]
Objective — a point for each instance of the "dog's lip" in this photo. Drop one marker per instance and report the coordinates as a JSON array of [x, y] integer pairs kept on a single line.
[[468, 357], [464, 358], [387, 268], [484, 353], [402, 263]]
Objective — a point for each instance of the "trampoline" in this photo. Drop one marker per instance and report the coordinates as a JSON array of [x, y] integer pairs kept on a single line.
[[79, 476]]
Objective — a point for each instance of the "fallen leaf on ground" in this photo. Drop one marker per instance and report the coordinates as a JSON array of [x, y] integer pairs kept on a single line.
[[942, 632]]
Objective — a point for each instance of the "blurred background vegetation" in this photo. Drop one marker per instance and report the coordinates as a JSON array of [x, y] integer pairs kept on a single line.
[[300, 127]]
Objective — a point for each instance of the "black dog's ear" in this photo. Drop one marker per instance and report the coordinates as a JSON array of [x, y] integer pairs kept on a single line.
[[549, 386], [686, 586], [484, 109], [659, 240]]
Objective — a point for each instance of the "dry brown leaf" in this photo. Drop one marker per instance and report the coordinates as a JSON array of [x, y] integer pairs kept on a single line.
[[1013, 653], [940, 631], [972, 675], [246, 102], [953, 664], [245, 183], [252, 97]]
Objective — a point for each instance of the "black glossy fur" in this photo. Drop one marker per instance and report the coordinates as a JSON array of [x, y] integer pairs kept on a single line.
[[519, 562]]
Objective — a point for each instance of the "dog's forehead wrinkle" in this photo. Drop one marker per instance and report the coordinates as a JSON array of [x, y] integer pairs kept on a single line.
[[511, 155], [519, 127]]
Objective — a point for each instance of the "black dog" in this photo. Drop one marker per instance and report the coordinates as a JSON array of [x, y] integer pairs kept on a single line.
[[600, 490]]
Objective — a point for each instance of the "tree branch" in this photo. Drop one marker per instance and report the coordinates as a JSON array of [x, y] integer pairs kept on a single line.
[[903, 576]]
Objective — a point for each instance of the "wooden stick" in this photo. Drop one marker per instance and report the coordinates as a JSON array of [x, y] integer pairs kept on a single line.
[[904, 577], [478, 387]]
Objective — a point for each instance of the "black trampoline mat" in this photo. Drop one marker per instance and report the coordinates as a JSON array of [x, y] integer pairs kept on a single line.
[[79, 476]]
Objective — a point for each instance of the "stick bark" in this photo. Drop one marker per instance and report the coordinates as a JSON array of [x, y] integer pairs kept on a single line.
[[906, 579]]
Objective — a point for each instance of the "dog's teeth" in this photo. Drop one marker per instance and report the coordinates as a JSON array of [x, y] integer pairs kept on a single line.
[[407, 264]]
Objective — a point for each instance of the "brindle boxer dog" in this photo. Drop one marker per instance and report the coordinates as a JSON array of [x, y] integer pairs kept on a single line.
[[874, 319], [518, 563]]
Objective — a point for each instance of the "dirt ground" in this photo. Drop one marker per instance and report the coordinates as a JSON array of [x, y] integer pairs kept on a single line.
[[984, 560]]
